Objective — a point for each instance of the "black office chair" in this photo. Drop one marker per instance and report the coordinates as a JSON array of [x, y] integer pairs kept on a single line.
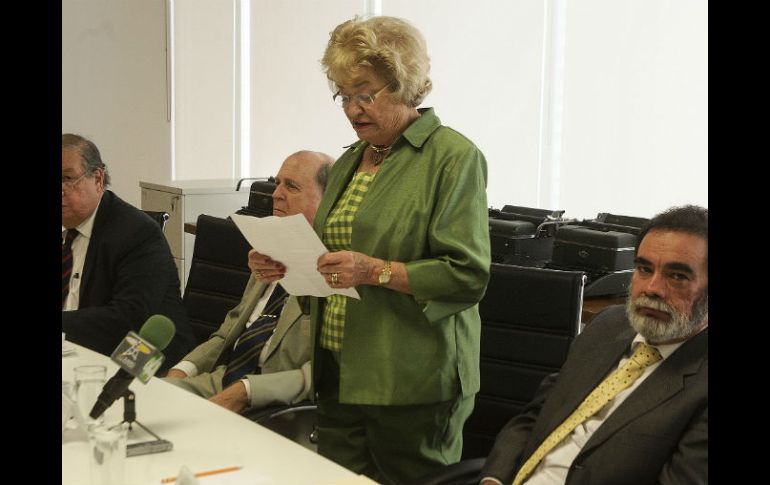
[[158, 216], [529, 317], [218, 274]]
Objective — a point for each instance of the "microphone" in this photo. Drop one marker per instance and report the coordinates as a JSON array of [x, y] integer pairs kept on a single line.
[[139, 355]]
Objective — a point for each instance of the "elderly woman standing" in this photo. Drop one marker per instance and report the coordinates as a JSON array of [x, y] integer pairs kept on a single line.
[[404, 217], [405, 220]]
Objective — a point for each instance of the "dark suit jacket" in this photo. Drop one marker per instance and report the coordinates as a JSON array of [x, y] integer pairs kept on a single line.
[[659, 434], [128, 275]]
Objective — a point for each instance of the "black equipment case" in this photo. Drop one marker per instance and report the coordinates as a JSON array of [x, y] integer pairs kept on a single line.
[[603, 248], [593, 249], [260, 198], [605, 221], [522, 235]]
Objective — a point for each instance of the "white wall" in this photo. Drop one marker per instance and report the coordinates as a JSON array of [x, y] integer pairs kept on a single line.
[[633, 135], [291, 103], [114, 87], [632, 78], [205, 96], [636, 106], [486, 73]]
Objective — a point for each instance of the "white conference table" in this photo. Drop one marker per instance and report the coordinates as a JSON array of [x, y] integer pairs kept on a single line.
[[205, 437]]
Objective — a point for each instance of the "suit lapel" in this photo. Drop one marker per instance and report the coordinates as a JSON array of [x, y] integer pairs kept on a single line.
[[290, 315], [237, 329], [665, 381], [591, 369], [97, 233]]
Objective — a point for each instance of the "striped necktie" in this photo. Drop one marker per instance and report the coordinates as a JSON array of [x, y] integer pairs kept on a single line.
[[620, 379], [244, 359], [66, 263]]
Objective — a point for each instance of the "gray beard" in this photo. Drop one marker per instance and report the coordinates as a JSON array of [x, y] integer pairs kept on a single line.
[[680, 326]]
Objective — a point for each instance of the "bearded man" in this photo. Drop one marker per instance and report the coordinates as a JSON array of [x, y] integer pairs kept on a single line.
[[630, 404]]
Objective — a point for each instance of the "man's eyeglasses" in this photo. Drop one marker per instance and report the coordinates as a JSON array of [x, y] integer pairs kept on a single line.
[[362, 99], [71, 182]]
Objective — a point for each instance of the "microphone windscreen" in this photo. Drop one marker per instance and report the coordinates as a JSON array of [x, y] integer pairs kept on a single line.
[[158, 330]]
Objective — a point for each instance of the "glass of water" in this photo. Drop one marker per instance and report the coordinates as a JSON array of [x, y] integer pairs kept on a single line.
[[107, 451], [89, 381]]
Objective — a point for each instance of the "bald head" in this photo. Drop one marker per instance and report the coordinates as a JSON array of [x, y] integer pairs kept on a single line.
[[300, 184]]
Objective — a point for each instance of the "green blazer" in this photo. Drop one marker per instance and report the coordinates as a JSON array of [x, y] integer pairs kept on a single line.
[[426, 207], [285, 375]]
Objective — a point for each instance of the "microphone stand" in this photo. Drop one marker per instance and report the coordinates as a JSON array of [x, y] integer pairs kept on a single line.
[[129, 412]]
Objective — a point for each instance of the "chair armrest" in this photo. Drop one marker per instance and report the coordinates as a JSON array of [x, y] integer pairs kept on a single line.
[[297, 422], [263, 414]]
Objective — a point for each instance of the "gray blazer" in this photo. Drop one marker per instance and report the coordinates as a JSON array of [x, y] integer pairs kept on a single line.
[[658, 435], [285, 376]]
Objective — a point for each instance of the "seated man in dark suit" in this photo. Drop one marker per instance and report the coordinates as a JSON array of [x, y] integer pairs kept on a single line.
[[647, 422], [117, 268], [260, 355]]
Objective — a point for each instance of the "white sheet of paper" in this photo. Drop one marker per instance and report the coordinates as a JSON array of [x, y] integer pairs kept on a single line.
[[293, 242]]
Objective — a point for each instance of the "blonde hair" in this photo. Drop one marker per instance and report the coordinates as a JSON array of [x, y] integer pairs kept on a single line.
[[391, 46]]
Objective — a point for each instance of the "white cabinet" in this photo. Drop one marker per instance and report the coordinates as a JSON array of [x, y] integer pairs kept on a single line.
[[185, 200]]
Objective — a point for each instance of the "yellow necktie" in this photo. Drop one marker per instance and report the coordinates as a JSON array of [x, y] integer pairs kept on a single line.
[[622, 378]]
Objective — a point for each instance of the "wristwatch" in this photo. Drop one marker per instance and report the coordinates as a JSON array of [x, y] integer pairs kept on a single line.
[[385, 274]]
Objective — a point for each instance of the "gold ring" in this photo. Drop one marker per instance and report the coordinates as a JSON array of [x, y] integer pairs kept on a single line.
[[335, 278], [258, 272]]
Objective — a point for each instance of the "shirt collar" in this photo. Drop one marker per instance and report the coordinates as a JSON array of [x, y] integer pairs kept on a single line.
[[665, 349], [418, 132]]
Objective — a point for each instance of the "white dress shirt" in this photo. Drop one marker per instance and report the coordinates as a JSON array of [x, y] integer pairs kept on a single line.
[[79, 250]]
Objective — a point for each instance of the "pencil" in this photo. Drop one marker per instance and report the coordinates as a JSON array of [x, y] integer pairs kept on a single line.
[[204, 474]]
